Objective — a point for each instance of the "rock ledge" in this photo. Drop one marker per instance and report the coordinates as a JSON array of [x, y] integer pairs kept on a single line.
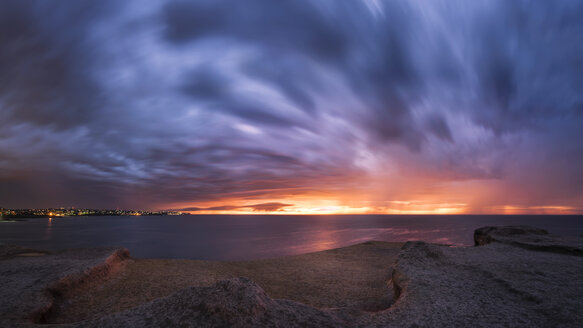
[[528, 238]]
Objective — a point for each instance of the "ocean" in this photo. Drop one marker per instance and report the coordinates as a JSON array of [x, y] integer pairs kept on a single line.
[[249, 237]]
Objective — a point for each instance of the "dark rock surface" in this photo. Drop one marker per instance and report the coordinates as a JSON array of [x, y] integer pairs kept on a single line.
[[529, 238], [31, 281], [496, 285]]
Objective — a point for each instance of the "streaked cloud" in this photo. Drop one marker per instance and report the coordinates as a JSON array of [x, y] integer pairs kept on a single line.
[[356, 104]]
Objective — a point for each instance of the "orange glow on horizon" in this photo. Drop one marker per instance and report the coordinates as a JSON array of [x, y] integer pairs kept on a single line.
[[415, 196], [397, 208], [514, 209]]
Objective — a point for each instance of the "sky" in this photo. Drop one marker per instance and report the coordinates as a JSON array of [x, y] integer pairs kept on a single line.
[[323, 106]]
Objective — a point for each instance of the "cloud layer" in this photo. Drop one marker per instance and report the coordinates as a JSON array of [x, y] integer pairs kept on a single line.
[[367, 104]]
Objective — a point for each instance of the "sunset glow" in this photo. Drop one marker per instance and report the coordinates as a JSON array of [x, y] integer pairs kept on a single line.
[[293, 107], [432, 209]]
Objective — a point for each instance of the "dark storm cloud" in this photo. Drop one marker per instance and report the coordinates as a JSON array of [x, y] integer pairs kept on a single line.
[[268, 207], [372, 56], [529, 64], [291, 79], [205, 84], [211, 87], [263, 207], [438, 126], [517, 68], [189, 20], [46, 60], [150, 103]]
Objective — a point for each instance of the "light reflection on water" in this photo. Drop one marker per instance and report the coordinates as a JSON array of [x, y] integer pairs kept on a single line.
[[228, 237], [49, 229]]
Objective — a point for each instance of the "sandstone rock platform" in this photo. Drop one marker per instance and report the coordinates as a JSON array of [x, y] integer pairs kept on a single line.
[[33, 281], [516, 277]]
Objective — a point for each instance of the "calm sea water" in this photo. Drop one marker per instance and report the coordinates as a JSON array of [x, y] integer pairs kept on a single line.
[[230, 237]]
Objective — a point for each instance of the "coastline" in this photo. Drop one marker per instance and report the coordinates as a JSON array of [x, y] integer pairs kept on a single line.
[[372, 283]]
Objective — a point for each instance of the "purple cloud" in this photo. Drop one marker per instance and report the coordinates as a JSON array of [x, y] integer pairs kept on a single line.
[[172, 103]]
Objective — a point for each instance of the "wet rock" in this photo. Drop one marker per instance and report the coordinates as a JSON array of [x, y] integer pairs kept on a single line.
[[486, 235], [528, 238]]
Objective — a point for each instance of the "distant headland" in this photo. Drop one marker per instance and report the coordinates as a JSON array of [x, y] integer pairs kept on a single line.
[[60, 212]]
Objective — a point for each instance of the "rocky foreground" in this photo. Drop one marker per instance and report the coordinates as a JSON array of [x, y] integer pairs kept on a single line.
[[515, 276]]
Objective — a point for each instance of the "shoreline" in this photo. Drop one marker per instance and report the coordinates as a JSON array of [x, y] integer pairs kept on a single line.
[[519, 269]]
